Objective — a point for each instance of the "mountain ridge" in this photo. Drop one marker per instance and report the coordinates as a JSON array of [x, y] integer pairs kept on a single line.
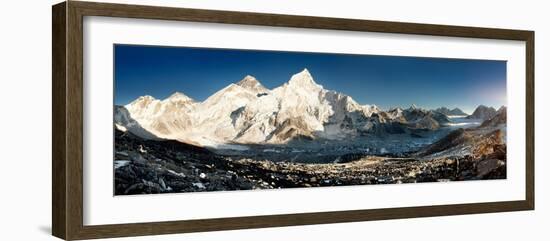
[[454, 112], [246, 112], [483, 112]]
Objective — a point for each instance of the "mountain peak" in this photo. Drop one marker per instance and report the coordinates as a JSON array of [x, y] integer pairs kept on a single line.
[[485, 108], [248, 80], [483, 112], [448, 112], [303, 79], [143, 99], [142, 102], [146, 97], [305, 73], [178, 96], [251, 83]]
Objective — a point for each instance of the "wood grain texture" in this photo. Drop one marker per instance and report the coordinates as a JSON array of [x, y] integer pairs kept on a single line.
[[67, 137], [121, 230], [263, 19], [530, 120], [59, 193], [74, 110]]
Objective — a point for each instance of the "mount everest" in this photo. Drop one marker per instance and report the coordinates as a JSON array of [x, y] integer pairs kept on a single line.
[[246, 112]]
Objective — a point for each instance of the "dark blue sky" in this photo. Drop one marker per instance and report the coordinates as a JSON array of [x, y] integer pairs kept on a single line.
[[387, 81]]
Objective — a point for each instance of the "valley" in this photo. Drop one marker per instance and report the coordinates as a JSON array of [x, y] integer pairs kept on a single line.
[[150, 166]]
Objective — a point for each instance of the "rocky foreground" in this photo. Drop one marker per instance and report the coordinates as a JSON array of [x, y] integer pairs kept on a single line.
[[152, 166]]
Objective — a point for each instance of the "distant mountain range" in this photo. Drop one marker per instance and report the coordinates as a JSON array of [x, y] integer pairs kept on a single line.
[[484, 113], [246, 112], [449, 112]]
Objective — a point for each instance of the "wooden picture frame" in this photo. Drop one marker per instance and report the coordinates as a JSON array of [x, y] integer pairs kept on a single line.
[[67, 137]]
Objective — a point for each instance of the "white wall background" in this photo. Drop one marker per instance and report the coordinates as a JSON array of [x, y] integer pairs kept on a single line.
[[25, 119]]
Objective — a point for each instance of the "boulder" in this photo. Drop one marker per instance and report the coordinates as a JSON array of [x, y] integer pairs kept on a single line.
[[485, 168]]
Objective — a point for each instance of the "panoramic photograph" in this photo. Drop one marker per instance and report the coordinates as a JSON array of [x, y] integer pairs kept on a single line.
[[205, 119]]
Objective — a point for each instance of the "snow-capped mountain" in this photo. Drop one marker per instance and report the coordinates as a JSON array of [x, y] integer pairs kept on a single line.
[[124, 122], [252, 84], [163, 118], [248, 113]]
